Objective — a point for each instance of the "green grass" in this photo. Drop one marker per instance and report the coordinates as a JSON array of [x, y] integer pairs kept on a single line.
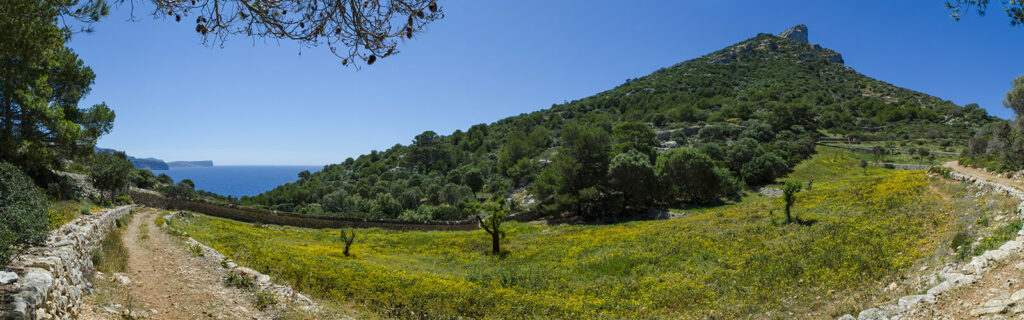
[[112, 256], [863, 231], [62, 212]]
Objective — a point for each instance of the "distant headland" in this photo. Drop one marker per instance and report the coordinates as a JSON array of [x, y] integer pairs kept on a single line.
[[190, 164], [157, 164]]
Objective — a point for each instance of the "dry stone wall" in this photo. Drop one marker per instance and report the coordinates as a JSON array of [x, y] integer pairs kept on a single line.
[[901, 166], [49, 281], [246, 214], [954, 277], [283, 295]]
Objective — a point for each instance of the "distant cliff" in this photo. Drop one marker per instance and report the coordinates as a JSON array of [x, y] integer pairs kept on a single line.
[[190, 164], [157, 164], [140, 163], [148, 163]]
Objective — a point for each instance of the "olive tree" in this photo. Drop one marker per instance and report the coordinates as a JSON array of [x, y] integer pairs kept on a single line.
[[1015, 97], [632, 174], [109, 172], [348, 238], [496, 212], [789, 191]]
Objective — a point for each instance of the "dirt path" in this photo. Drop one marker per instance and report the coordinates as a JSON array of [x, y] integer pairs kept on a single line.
[[996, 294], [168, 282], [983, 174]]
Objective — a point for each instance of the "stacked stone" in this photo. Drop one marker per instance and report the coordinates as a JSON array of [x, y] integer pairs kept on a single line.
[[965, 275], [283, 294], [49, 282]]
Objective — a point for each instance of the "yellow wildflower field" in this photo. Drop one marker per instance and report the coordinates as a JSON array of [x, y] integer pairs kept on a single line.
[[860, 229]]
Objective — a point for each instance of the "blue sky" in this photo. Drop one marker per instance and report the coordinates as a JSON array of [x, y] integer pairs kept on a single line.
[[261, 102]]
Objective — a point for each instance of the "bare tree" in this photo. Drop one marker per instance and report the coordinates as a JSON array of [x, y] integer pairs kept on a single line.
[[353, 30]]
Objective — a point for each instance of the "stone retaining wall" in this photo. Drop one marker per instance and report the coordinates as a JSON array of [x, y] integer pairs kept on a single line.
[[246, 214], [283, 295], [958, 277], [870, 149], [49, 281], [901, 166]]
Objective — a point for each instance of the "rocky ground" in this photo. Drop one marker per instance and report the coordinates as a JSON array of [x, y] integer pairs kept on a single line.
[[165, 280], [992, 289]]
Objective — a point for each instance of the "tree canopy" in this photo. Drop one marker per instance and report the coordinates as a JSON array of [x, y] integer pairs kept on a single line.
[[1014, 9], [41, 84], [353, 30]]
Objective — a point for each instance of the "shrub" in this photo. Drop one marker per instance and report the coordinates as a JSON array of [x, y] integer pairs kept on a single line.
[[142, 178], [763, 169], [123, 199], [237, 281], [265, 299], [60, 213], [23, 216], [109, 172], [195, 250], [61, 187], [84, 207], [942, 171], [692, 176]]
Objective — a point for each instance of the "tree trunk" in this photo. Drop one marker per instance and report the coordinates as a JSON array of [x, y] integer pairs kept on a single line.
[[495, 245], [788, 219]]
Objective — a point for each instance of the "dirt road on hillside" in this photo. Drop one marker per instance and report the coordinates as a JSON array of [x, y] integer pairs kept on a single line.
[[983, 174], [996, 294], [168, 282]]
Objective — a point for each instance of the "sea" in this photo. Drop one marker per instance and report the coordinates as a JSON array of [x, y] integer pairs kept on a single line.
[[238, 181]]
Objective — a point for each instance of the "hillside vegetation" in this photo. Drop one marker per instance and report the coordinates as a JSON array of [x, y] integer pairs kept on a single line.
[[859, 230], [741, 116]]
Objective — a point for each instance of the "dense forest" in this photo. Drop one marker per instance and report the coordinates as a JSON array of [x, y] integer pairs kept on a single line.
[[694, 133]]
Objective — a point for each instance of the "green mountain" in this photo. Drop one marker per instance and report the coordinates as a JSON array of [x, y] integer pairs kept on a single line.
[[696, 132]]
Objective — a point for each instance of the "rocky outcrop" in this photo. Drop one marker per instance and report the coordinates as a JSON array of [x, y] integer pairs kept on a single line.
[[835, 57], [969, 273], [792, 42], [48, 282], [798, 33]]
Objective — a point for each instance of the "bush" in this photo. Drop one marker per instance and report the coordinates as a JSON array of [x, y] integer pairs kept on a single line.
[[691, 176], [142, 178], [763, 169], [122, 200], [23, 216], [62, 187], [237, 281], [84, 207], [176, 191], [265, 299], [109, 172]]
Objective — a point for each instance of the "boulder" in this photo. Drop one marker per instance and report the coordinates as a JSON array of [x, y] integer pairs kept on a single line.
[[7, 277]]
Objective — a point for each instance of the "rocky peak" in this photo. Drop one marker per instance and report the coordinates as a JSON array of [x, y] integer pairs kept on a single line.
[[798, 33]]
